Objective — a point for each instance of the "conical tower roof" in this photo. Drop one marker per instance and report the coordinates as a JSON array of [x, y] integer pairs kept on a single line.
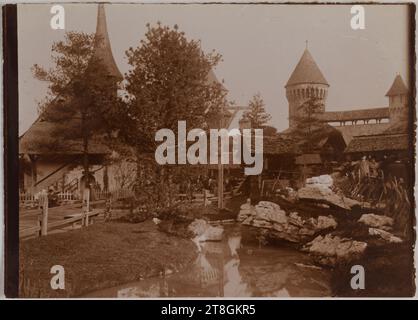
[[102, 48], [306, 71], [398, 87]]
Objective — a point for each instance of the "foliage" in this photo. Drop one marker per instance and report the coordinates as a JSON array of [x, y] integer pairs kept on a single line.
[[168, 82], [392, 192], [309, 129], [80, 88], [81, 99], [256, 115]]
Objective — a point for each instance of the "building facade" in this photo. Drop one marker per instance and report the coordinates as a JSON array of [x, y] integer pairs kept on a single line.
[[43, 165], [307, 81]]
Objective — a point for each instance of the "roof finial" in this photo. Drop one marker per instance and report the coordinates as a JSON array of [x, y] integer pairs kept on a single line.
[[306, 44]]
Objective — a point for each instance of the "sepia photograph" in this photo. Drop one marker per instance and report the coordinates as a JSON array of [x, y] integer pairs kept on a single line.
[[216, 150]]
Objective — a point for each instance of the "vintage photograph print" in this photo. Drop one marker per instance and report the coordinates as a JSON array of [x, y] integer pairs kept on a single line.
[[216, 150]]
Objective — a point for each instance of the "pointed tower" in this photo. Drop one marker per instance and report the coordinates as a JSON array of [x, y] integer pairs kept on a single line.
[[306, 81], [102, 47], [398, 95]]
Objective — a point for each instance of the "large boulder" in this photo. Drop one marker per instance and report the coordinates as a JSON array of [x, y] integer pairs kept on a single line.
[[269, 211], [198, 227], [319, 189], [386, 236], [376, 221], [203, 231], [280, 225], [246, 210], [332, 250], [323, 194], [323, 180]]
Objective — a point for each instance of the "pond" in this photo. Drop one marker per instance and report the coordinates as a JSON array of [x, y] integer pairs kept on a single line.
[[231, 268]]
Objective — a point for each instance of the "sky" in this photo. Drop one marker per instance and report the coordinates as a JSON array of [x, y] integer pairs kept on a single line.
[[260, 44]]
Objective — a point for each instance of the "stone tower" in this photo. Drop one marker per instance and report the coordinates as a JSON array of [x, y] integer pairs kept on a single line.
[[103, 48], [398, 101], [306, 81]]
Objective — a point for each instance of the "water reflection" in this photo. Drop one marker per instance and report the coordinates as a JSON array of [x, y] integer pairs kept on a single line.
[[229, 269]]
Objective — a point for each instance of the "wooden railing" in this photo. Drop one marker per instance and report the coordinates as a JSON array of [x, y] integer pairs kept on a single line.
[[43, 226], [33, 199], [67, 196], [85, 219], [26, 197]]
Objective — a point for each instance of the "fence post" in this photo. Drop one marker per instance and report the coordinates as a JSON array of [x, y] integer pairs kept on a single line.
[[39, 225], [87, 206], [44, 223], [108, 208]]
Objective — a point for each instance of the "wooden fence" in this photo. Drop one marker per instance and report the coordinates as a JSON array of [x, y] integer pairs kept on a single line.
[[26, 197], [43, 226], [67, 196], [33, 199]]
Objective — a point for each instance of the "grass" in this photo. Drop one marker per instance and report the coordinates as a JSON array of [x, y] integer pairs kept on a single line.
[[100, 256]]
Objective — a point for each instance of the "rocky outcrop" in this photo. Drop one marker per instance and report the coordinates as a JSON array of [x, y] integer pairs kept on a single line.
[[332, 250], [386, 236], [315, 229], [376, 221], [323, 180], [280, 225], [327, 196], [318, 189], [379, 227]]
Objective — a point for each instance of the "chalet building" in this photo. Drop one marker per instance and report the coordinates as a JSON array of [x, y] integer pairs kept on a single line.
[[41, 168], [396, 137], [60, 165]]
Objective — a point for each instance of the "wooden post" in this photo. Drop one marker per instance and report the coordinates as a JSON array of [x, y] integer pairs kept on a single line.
[[87, 206], [220, 185], [34, 173], [44, 223], [39, 225], [220, 167]]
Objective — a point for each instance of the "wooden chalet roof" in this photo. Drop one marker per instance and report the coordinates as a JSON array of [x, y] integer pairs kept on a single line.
[[287, 142], [362, 114], [383, 142], [40, 139], [308, 158], [278, 144], [33, 141], [397, 128]]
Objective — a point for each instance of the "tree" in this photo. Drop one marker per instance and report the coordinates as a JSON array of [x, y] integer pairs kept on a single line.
[[81, 99], [308, 127], [257, 114], [169, 82]]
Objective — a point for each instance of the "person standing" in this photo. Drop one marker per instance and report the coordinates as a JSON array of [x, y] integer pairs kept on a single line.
[[364, 168], [374, 167]]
